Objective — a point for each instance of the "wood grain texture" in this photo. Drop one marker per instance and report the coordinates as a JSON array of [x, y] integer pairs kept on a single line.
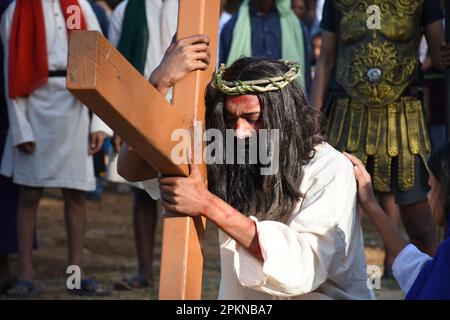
[[100, 77], [105, 82], [182, 258]]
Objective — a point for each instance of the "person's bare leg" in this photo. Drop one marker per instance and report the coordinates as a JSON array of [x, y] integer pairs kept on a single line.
[[75, 215], [387, 203], [144, 222], [421, 229], [5, 272], [26, 221]]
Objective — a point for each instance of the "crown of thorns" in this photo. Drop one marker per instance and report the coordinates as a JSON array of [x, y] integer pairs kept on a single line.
[[238, 87]]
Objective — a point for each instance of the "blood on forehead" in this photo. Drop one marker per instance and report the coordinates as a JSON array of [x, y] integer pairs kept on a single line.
[[247, 103]]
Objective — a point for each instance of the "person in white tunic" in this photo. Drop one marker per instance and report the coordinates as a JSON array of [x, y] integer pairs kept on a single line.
[[291, 233], [52, 137], [155, 21]]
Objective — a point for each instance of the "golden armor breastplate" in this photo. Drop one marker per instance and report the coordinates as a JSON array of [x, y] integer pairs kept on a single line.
[[376, 66]]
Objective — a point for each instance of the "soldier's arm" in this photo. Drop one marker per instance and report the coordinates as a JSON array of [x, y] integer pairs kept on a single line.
[[324, 68], [434, 33]]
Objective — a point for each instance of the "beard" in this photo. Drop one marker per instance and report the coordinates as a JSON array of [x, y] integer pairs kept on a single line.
[[242, 182]]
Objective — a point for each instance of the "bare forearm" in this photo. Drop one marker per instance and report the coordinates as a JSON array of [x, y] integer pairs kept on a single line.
[[392, 237], [235, 224], [320, 85], [436, 60], [427, 64], [158, 81], [324, 69], [132, 167], [434, 33]]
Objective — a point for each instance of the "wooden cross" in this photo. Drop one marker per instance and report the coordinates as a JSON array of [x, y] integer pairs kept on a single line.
[[108, 85]]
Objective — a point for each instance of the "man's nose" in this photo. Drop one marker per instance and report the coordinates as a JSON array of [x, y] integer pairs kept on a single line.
[[243, 129]]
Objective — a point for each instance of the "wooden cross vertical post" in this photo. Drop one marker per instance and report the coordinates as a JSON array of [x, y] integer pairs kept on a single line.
[[181, 259], [100, 77]]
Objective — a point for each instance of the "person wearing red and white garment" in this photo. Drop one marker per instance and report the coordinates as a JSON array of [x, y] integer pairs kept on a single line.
[[52, 136]]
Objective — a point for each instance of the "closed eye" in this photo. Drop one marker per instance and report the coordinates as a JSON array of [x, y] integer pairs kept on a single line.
[[251, 117]]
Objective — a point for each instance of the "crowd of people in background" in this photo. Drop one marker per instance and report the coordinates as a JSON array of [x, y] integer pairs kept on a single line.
[[33, 110]]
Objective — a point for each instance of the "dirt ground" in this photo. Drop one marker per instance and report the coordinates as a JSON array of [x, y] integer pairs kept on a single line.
[[110, 254]]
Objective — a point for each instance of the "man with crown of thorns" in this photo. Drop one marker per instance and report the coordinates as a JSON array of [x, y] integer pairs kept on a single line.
[[291, 234]]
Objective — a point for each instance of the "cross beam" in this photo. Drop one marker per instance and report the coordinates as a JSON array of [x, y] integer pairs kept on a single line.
[[108, 85], [100, 77]]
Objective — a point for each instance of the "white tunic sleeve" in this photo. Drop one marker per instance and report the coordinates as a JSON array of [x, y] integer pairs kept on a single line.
[[97, 125], [21, 130], [407, 266], [298, 255], [152, 188], [115, 24]]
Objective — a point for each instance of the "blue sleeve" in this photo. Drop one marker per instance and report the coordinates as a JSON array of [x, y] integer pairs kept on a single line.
[[226, 37], [407, 266], [432, 283]]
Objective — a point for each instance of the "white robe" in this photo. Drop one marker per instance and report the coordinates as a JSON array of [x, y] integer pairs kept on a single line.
[[162, 20], [51, 116], [317, 254]]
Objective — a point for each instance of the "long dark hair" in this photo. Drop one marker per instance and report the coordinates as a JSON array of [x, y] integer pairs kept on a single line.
[[439, 163], [300, 128]]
